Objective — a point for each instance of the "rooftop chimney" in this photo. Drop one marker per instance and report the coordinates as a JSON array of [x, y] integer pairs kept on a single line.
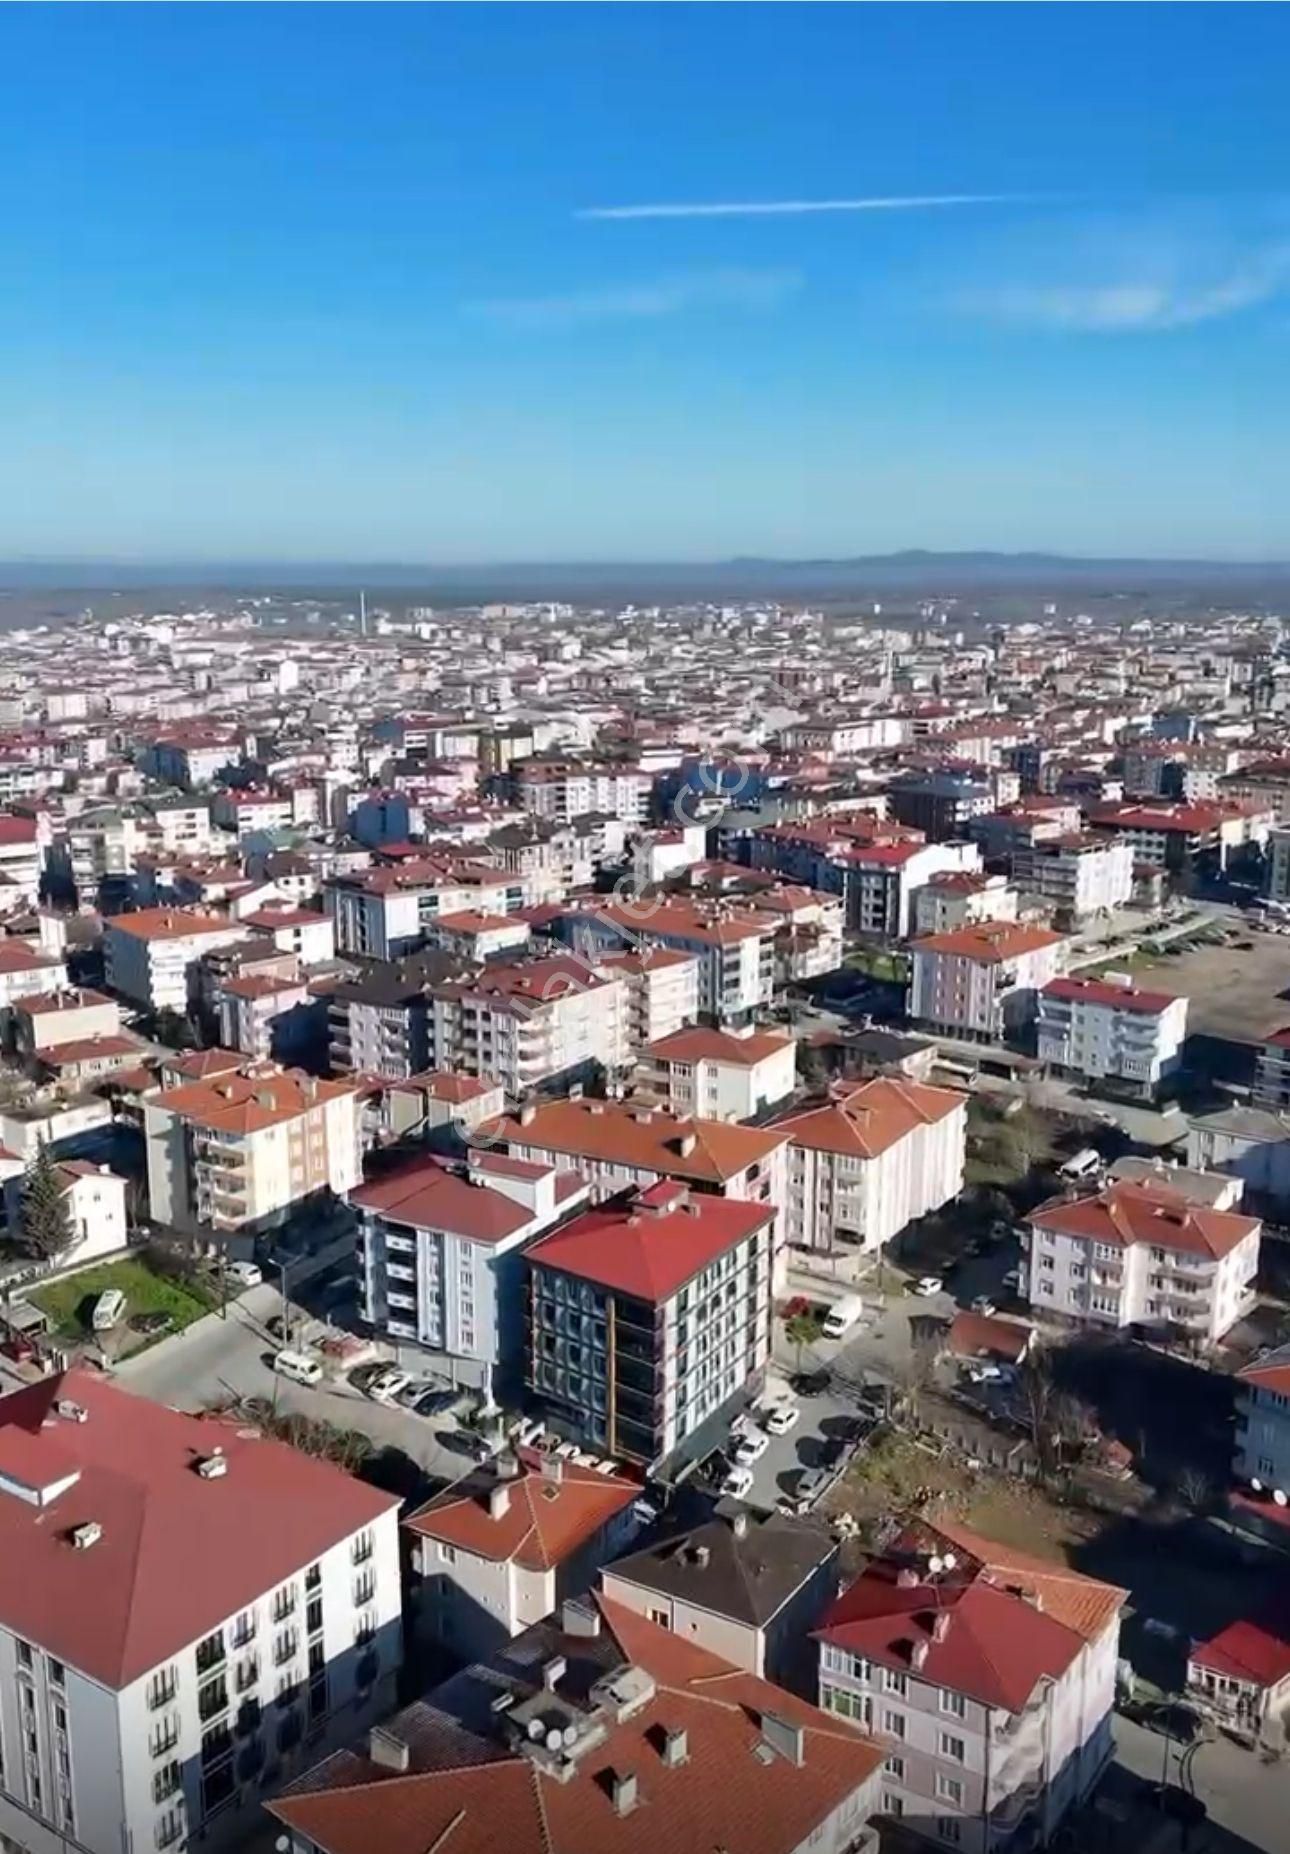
[[554, 1672], [686, 1144], [387, 1750], [941, 1626], [739, 1524], [528, 1114], [579, 1618], [552, 1469], [784, 1738], [624, 1791], [499, 1501], [676, 1749], [918, 1655]]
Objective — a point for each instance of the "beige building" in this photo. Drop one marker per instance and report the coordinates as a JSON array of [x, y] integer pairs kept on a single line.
[[720, 1074], [983, 982], [50, 1019], [662, 991], [239, 1151]]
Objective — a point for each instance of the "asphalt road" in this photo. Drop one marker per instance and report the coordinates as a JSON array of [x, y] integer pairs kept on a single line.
[[1243, 1795]]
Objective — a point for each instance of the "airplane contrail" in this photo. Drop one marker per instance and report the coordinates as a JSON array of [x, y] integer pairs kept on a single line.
[[765, 209]]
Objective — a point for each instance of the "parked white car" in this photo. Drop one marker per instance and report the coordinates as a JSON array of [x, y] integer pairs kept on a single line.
[[782, 1418], [751, 1448], [385, 1387], [737, 1482], [243, 1275]]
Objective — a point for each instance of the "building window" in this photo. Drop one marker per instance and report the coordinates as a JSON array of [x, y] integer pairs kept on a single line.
[[893, 1682], [661, 1618], [950, 1790], [364, 1590], [893, 1723], [362, 1548], [895, 1767], [57, 1672], [892, 1804], [953, 1703], [25, 1656], [447, 1555], [952, 1747]]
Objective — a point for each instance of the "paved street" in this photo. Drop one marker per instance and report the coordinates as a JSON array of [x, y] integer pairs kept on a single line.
[[1243, 1795], [220, 1358]]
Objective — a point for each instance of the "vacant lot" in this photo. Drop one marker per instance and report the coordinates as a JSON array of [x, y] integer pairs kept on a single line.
[[1235, 992], [70, 1302]]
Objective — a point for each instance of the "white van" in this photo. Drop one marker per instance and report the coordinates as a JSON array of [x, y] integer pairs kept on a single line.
[[298, 1366], [842, 1316], [1084, 1163], [108, 1309]]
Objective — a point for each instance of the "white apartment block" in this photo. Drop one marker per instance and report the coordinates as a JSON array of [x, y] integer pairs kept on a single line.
[[734, 945], [440, 1249], [562, 792], [662, 992], [870, 1159], [1109, 1030], [47, 1019], [1142, 1255], [309, 935], [386, 913], [718, 1074], [1077, 874], [149, 956], [27, 971], [989, 1675], [191, 1614], [238, 1151], [23, 846], [983, 982], [531, 1024], [958, 898], [251, 1006]]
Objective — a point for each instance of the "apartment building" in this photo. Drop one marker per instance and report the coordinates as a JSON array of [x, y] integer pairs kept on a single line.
[[240, 1150], [1078, 874], [435, 1103], [619, 1146], [1110, 1030], [440, 1246], [732, 942], [881, 882], [509, 1543], [563, 790], [942, 802], [1142, 1255], [988, 1675], [1249, 1143], [478, 937], [43, 1021], [303, 931], [27, 971], [1276, 882], [270, 1017], [646, 1756], [662, 992], [94, 1197], [1272, 1073], [718, 1074], [536, 1023], [1187, 841], [24, 842], [150, 957], [961, 897], [191, 1612], [983, 982], [1263, 1421], [647, 1316], [870, 1158], [381, 1020], [385, 913]]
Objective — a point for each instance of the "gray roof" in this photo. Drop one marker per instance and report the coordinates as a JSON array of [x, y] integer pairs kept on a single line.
[[1252, 1123], [748, 1578]]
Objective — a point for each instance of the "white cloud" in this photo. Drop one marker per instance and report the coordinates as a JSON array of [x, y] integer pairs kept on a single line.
[[727, 289], [1138, 304], [763, 209]]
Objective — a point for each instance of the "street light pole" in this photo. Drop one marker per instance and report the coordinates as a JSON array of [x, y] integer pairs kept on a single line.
[[286, 1304]]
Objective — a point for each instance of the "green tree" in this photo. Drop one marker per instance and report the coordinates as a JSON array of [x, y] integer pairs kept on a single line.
[[45, 1229], [801, 1330]]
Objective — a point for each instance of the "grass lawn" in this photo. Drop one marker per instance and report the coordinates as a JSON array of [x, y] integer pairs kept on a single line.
[[69, 1302], [877, 963]]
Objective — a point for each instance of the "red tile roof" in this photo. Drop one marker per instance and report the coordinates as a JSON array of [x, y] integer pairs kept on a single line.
[[178, 1554], [545, 1520], [989, 941], [979, 1335], [250, 1099], [866, 1120], [1125, 1213], [1255, 1650], [427, 1195], [17, 956], [646, 1139], [170, 924], [1115, 997], [725, 1795], [697, 1044], [651, 1246]]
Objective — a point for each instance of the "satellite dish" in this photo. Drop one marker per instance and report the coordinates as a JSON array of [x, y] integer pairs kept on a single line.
[[935, 1566], [949, 1561], [570, 1737], [555, 1739], [283, 1844], [1256, 1486], [1279, 1497], [536, 1729]]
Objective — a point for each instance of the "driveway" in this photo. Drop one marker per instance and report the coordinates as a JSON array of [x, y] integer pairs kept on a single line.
[[823, 1420]]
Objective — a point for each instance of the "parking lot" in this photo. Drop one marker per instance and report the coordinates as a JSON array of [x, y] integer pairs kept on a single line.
[[1236, 991]]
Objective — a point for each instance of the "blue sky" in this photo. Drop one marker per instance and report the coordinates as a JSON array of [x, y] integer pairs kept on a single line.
[[328, 282]]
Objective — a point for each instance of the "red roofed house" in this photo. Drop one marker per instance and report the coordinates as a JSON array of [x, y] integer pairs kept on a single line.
[[1142, 1254], [983, 982], [1243, 1672], [720, 1074], [440, 1248], [595, 1732], [991, 1676], [869, 1159], [303, 931], [1110, 1030], [504, 1546], [185, 1603], [1186, 840], [647, 1316]]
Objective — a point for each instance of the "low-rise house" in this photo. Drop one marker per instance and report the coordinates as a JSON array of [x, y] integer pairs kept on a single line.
[[1242, 1674], [440, 1251], [986, 1336], [95, 1200], [509, 1542], [718, 1074], [1142, 1255], [990, 1676], [648, 1316], [1253, 1144], [43, 1020], [595, 1732], [25, 970], [1109, 1030], [743, 1584], [869, 1159], [983, 982]]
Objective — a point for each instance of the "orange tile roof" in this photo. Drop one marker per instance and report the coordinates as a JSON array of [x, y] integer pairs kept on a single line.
[[249, 1099], [696, 1044], [648, 1139], [545, 1522], [170, 923], [991, 941], [1126, 1213], [866, 1120]]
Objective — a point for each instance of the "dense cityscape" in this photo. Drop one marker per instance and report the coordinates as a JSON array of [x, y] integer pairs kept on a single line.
[[558, 1155]]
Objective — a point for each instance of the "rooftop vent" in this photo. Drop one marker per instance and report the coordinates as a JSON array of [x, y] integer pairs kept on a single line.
[[213, 1467], [85, 1536], [552, 1469], [528, 1114], [941, 1626], [739, 1524], [554, 1672], [623, 1788], [387, 1750], [783, 1737], [71, 1411], [686, 1144], [676, 1749], [918, 1655], [579, 1619]]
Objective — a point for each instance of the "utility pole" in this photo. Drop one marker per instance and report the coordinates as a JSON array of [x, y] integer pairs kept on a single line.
[[286, 1304]]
